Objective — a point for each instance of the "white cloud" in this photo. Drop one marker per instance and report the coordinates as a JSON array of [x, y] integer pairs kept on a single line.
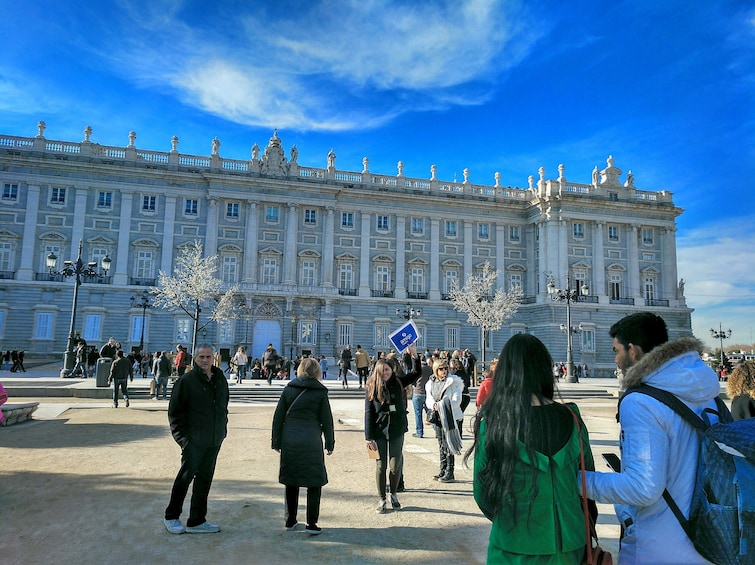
[[717, 262]]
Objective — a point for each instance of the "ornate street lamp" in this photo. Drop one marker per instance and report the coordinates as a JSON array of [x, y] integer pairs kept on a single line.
[[568, 295], [141, 301], [75, 269], [720, 335], [408, 313]]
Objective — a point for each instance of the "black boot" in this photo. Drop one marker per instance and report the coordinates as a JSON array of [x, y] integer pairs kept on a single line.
[[443, 465], [448, 477]]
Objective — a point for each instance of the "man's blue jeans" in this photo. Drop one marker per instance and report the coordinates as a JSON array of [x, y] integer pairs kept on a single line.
[[162, 385], [419, 406], [123, 385]]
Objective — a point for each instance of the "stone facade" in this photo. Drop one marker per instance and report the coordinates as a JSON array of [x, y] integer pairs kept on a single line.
[[323, 257]]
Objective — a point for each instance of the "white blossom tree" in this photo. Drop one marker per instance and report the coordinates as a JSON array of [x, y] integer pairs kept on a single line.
[[195, 286], [484, 307]]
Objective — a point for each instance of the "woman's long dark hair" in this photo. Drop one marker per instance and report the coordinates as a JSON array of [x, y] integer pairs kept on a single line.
[[524, 369]]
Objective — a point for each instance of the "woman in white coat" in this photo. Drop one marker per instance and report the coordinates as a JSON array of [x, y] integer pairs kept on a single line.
[[439, 388]]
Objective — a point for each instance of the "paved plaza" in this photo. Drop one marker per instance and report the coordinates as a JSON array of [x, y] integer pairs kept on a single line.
[[86, 483]]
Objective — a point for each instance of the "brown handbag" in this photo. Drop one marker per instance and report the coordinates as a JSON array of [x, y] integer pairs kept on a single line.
[[594, 554]]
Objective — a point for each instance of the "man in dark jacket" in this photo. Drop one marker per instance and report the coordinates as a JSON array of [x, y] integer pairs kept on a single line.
[[120, 371], [198, 416]]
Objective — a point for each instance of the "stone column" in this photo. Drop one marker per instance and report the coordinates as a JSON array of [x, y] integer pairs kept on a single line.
[[633, 266], [364, 256], [169, 228], [542, 263], [250, 243], [79, 222], [435, 259], [211, 233], [289, 248], [563, 254], [669, 274], [500, 256], [29, 241], [124, 243], [400, 290], [327, 247], [598, 285]]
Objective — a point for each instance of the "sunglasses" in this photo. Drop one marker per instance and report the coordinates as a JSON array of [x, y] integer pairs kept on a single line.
[[443, 368]]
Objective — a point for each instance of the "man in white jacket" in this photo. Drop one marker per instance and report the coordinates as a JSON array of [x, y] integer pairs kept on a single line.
[[659, 450]]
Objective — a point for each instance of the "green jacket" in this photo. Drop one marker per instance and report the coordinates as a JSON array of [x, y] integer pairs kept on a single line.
[[556, 523]]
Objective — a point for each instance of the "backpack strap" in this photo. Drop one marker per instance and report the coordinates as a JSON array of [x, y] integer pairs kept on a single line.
[[689, 416]]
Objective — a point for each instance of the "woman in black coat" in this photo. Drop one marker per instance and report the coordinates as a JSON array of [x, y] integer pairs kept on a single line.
[[301, 419]]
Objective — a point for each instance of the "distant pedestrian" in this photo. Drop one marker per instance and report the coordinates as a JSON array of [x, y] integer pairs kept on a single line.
[[741, 389], [301, 420], [108, 350], [120, 371], [180, 361], [362, 364], [6, 360], [21, 360], [241, 360], [198, 416], [92, 357], [324, 367], [161, 370], [345, 366]]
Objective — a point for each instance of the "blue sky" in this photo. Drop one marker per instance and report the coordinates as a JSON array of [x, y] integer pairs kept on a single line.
[[666, 87]]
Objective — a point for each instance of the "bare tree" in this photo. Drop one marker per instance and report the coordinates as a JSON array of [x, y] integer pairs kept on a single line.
[[484, 307], [194, 286]]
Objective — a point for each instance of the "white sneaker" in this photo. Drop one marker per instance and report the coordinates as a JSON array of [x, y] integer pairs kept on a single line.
[[174, 526], [203, 528], [381, 506]]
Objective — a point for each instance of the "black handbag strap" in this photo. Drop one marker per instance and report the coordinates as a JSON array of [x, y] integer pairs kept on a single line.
[[294, 402]]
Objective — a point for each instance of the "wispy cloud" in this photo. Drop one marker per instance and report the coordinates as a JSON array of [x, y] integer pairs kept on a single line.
[[330, 65]]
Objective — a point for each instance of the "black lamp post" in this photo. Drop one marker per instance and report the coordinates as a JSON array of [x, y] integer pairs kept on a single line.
[[142, 301], [75, 269], [720, 335], [408, 313], [568, 295]]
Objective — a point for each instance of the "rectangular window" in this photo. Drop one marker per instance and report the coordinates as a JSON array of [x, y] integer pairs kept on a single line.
[[418, 279], [225, 331], [452, 338], [98, 254], [578, 230], [306, 333], [191, 207], [420, 343], [418, 226], [483, 231], [6, 256], [136, 329], [2, 323], [347, 220], [269, 270], [232, 210], [144, 264], [649, 288], [382, 331], [382, 223], [345, 276], [44, 325], [10, 192], [613, 233], [149, 203], [588, 340], [104, 199], [183, 330], [515, 280], [57, 195], [344, 335], [514, 233], [450, 278], [451, 228], [92, 327], [229, 269], [615, 282], [271, 214], [648, 236], [310, 217], [382, 277], [308, 273]]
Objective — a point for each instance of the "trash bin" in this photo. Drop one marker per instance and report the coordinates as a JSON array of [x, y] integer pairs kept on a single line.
[[103, 370]]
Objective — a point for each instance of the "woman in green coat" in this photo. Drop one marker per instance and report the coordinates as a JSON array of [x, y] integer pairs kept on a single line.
[[526, 462]]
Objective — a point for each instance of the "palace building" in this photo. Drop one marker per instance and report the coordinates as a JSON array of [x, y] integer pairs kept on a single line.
[[323, 257]]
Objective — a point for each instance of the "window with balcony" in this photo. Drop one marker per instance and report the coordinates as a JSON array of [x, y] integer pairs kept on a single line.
[[229, 270], [10, 192], [308, 272], [382, 278], [649, 287], [347, 220], [6, 256], [417, 284], [450, 277], [269, 270], [418, 226], [345, 276], [104, 199], [271, 214], [450, 228], [144, 267]]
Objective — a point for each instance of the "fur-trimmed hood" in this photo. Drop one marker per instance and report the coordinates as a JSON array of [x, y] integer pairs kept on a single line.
[[676, 366]]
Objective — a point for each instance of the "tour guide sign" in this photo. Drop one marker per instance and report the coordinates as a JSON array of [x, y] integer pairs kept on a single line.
[[404, 336]]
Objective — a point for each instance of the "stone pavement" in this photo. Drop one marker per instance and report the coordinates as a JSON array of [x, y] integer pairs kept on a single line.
[[84, 482]]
